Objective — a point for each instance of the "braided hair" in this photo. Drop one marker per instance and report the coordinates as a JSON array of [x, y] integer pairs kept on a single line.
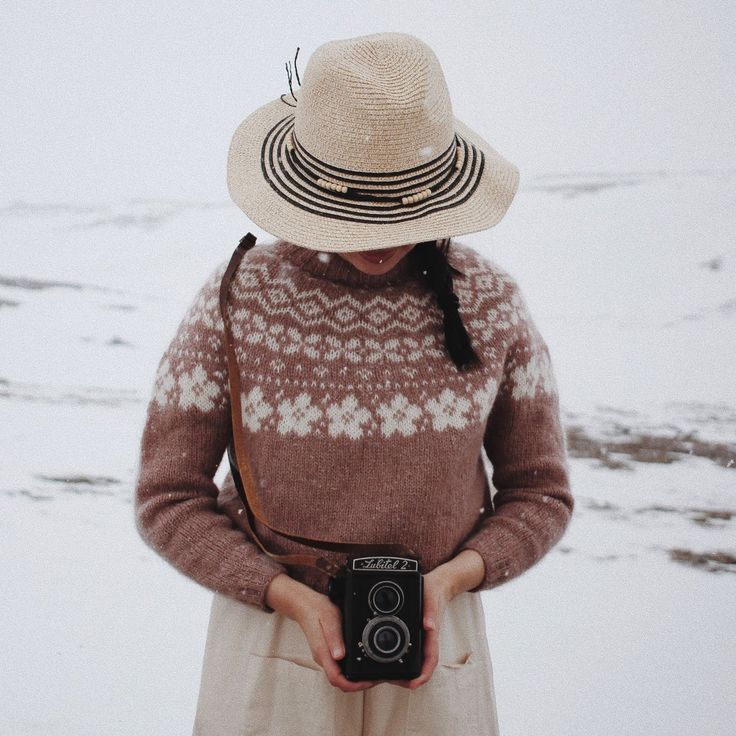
[[430, 258]]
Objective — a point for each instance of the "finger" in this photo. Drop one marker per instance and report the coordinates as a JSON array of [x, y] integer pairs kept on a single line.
[[334, 673], [431, 657], [430, 613], [335, 677], [349, 686], [433, 608], [332, 630]]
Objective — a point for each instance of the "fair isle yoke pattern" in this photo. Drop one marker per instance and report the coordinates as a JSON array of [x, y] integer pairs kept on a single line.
[[358, 422], [304, 405]]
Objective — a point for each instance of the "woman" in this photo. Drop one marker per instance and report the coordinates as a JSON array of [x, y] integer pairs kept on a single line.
[[377, 362]]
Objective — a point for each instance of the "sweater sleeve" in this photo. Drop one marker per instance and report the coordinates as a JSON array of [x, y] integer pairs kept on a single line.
[[186, 431], [525, 443]]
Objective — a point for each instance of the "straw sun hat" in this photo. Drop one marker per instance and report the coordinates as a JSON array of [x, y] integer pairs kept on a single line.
[[367, 153]]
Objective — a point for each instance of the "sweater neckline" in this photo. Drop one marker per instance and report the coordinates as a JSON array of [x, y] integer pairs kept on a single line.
[[333, 267]]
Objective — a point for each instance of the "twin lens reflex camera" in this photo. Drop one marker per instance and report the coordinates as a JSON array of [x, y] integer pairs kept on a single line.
[[381, 599]]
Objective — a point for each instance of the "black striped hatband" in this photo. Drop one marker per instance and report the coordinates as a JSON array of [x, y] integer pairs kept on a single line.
[[363, 196]]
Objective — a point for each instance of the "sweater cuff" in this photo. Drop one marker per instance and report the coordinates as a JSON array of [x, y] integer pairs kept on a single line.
[[261, 571], [497, 566]]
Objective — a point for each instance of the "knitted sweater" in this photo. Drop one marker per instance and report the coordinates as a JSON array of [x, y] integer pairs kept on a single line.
[[359, 427]]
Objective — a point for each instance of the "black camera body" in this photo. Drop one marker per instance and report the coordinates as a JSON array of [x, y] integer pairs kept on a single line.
[[381, 599]]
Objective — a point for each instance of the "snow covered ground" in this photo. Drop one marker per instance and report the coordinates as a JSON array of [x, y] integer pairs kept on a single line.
[[608, 634], [113, 208]]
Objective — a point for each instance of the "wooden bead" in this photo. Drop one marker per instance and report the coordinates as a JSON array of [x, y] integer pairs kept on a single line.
[[332, 185], [411, 198]]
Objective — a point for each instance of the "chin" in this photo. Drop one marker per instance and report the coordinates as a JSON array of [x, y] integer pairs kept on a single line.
[[377, 268]]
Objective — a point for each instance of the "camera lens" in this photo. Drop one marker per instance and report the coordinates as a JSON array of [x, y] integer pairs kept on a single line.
[[386, 597], [386, 639]]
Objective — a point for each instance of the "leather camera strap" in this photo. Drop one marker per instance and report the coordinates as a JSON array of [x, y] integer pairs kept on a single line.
[[240, 465]]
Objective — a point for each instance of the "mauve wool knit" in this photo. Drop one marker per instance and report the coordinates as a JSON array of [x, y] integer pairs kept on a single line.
[[359, 426]]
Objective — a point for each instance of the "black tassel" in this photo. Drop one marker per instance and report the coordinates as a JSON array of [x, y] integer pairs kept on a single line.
[[431, 259]]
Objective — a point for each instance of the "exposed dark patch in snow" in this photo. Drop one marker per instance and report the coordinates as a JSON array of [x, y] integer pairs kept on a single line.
[[146, 220], [647, 448], [706, 517], [615, 437], [82, 478], [713, 264], [81, 484], [589, 187], [30, 495], [146, 214], [716, 561], [15, 390], [25, 282], [575, 183], [22, 208], [118, 341], [726, 308], [120, 307]]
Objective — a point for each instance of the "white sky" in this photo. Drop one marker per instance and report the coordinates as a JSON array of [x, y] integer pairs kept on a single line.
[[106, 100]]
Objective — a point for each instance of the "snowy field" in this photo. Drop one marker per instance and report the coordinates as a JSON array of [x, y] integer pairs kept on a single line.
[[623, 238], [610, 633]]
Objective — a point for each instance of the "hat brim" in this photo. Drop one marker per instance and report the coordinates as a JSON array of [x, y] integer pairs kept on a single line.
[[302, 213]]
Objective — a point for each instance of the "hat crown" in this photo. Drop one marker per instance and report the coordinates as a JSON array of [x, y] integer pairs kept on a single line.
[[376, 103]]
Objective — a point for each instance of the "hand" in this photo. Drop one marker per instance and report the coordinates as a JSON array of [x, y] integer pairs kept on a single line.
[[438, 591], [321, 621]]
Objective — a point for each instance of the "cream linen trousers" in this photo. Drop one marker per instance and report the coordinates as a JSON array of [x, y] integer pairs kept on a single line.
[[258, 677]]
